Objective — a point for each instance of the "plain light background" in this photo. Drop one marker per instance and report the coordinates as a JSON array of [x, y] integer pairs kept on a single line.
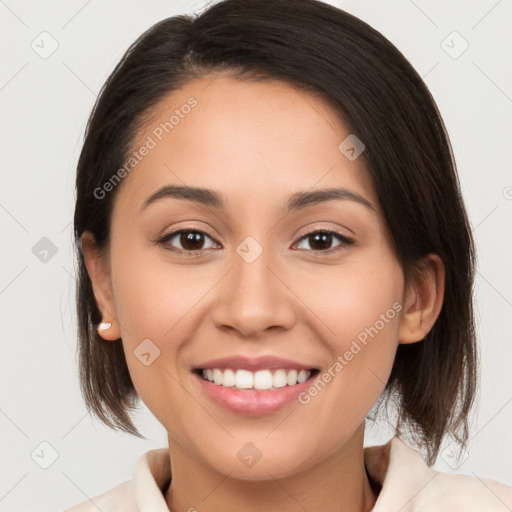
[[45, 104]]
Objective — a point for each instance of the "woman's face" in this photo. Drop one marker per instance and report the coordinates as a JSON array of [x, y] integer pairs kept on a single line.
[[262, 282]]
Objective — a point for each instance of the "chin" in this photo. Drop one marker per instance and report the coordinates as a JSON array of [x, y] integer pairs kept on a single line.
[[264, 469]]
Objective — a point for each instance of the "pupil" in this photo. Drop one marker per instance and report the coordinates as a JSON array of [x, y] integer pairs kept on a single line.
[[190, 239], [322, 238]]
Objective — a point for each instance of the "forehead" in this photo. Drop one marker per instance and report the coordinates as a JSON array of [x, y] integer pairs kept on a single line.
[[250, 140]]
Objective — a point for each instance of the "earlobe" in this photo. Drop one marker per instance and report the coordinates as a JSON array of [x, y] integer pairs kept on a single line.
[[97, 269], [423, 301], [109, 330]]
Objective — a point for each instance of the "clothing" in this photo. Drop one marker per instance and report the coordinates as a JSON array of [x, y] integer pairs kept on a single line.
[[407, 485]]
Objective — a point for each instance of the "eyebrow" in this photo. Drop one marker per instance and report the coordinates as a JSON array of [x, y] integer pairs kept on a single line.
[[295, 202]]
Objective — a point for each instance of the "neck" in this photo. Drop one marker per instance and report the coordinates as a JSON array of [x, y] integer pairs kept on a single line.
[[337, 483]]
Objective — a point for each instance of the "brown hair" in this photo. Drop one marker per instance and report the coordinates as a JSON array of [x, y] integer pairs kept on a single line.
[[324, 50]]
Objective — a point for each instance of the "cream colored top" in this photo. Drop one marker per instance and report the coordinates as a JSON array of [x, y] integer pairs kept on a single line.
[[407, 485]]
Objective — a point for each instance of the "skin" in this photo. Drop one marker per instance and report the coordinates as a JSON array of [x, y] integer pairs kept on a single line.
[[257, 143]]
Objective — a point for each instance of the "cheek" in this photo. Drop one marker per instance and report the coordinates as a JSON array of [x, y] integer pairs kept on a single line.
[[152, 294], [352, 298], [360, 308], [157, 301]]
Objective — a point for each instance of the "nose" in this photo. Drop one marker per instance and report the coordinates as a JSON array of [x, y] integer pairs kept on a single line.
[[254, 298]]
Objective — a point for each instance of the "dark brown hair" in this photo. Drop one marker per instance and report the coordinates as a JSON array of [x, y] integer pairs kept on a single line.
[[376, 92]]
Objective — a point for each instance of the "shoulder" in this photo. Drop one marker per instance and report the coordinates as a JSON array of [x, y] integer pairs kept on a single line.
[[464, 493], [151, 475], [120, 497], [408, 484]]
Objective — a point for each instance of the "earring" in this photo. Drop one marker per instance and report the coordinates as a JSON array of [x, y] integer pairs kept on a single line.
[[104, 326]]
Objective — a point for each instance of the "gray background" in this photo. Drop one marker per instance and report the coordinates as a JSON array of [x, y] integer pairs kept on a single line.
[[45, 104]]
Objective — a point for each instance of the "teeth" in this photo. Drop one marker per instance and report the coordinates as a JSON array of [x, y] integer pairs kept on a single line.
[[260, 380]]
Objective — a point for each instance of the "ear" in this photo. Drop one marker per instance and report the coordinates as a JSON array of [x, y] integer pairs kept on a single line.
[[98, 270], [423, 300]]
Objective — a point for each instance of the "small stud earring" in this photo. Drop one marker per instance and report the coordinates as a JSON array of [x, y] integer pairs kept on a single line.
[[104, 326]]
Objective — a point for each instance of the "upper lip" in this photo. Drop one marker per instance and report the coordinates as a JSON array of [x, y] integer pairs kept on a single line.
[[241, 362]]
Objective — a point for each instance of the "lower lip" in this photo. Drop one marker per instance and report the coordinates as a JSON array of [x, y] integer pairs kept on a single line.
[[252, 402]]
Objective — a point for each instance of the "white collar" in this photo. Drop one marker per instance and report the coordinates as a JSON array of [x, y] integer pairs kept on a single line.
[[407, 483]]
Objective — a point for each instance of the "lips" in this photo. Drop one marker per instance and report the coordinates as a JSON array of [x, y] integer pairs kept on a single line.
[[240, 362], [252, 402]]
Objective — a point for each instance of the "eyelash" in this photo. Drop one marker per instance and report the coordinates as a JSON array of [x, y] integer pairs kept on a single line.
[[166, 238]]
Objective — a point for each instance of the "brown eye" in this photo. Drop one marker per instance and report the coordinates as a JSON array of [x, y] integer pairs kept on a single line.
[[189, 240], [321, 240]]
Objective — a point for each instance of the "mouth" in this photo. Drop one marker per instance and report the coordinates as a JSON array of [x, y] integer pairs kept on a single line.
[[262, 380], [237, 390]]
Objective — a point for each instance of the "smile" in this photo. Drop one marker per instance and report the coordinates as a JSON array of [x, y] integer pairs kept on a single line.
[[258, 393], [268, 379]]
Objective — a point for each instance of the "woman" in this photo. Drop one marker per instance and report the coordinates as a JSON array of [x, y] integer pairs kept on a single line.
[[272, 240]]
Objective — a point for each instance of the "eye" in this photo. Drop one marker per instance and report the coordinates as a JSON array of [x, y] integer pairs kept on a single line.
[[190, 240], [322, 240]]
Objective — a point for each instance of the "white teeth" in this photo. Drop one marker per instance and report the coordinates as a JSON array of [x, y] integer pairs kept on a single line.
[[260, 380], [217, 376], [303, 375], [279, 379], [291, 377], [243, 379], [228, 379]]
